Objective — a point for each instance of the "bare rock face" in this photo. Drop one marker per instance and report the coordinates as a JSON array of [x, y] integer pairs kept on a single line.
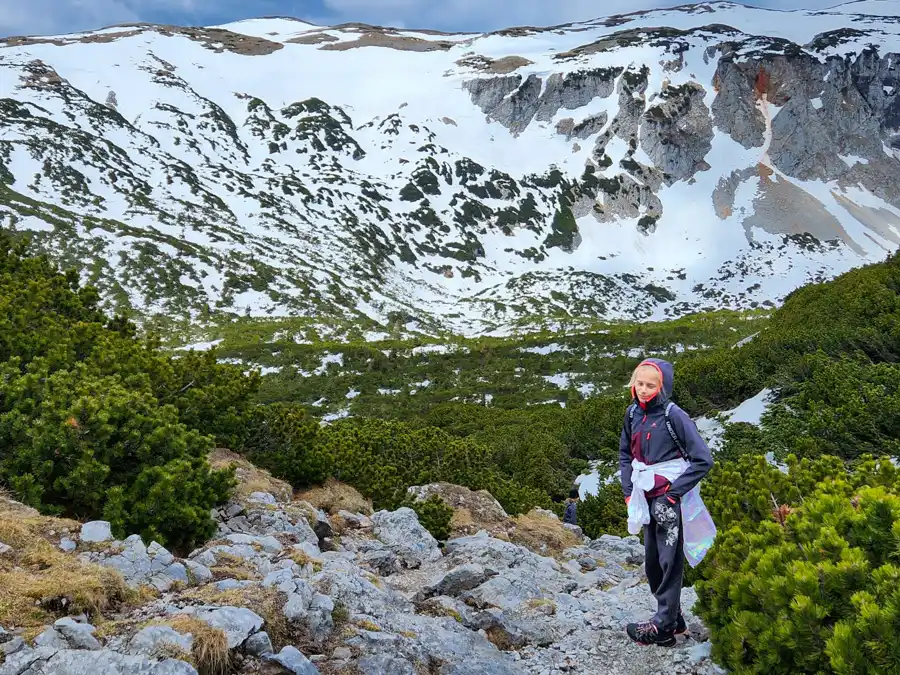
[[812, 119], [515, 102], [52, 661], [823, 110], [624, 197], [142, 565], [584, 129], [734, 109], [677, 132], [401, 531]]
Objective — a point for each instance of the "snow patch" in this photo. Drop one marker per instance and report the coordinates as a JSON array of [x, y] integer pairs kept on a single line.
[[750, 412], [851, 160], [544, 350], [589, 483], [200, 346]]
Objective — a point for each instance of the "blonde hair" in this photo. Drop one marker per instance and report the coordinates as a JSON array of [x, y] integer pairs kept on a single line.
[[644, 368]]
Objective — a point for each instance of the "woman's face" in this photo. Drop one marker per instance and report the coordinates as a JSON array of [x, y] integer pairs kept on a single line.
[[647, 384]]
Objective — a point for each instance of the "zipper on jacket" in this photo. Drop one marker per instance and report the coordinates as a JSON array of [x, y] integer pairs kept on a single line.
[[645, 447]]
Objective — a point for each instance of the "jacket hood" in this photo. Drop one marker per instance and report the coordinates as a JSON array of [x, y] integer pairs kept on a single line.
[[667, 370]]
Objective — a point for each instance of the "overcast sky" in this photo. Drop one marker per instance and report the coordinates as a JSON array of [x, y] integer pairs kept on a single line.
[[34, 17]]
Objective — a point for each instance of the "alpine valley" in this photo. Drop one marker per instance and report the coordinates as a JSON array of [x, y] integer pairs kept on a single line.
[[361, 182], [434, 235]]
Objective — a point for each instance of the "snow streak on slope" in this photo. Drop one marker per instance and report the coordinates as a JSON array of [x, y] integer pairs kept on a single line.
[[643, 165]]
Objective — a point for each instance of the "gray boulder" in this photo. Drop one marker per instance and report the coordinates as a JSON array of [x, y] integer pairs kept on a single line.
[[238, 623], [356, 521], [258, 644], [96, 531], [154, 641], [142, 565], [319, 615], [457, 580], [293, 661], [258, 517], [53, 661], [384, 664], [200, 574], [269, 544], [351, 587], [78, 635], [406, 537], [627, 551], [51, 639]]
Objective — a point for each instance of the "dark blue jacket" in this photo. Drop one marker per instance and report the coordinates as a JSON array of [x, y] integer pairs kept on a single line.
[[570, 516], [646, 438]]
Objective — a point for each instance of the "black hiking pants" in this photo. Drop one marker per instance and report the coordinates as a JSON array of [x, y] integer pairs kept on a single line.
[[664, 559]]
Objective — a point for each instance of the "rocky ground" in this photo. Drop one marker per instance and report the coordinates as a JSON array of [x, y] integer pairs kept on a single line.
[[286, 587]]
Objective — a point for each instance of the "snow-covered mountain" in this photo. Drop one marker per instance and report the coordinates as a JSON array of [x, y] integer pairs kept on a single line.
[[642, 165]]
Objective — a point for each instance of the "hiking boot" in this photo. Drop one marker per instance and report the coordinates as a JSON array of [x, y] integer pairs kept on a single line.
[[648, 633], [681, 625]]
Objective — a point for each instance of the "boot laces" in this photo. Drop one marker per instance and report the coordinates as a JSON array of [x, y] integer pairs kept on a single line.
[[647, 628]]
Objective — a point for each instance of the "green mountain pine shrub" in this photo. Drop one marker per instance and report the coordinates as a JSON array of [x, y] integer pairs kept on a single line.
[[94, 422], [434, 515], [856, 315], [605, 512], [809, 585]]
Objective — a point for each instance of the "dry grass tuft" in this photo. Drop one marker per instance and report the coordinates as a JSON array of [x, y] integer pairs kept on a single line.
[[167, 650], [229, 566], [541, 533], [502, 639], [338, 525], [303, 559], [39, 583], [209, 650], [267, 602], [250, 478], [368, 625], [334, 496], [462, 521], [237, 572]]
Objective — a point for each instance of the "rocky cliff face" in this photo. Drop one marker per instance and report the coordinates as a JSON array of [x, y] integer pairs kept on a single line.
[[286, 588], [643, 165], [808, 114]]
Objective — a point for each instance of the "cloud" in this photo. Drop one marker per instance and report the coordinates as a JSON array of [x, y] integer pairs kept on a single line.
[[43, 17], [29, 17]]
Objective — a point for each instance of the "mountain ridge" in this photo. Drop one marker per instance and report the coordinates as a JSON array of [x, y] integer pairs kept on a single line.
[[526, 181]]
